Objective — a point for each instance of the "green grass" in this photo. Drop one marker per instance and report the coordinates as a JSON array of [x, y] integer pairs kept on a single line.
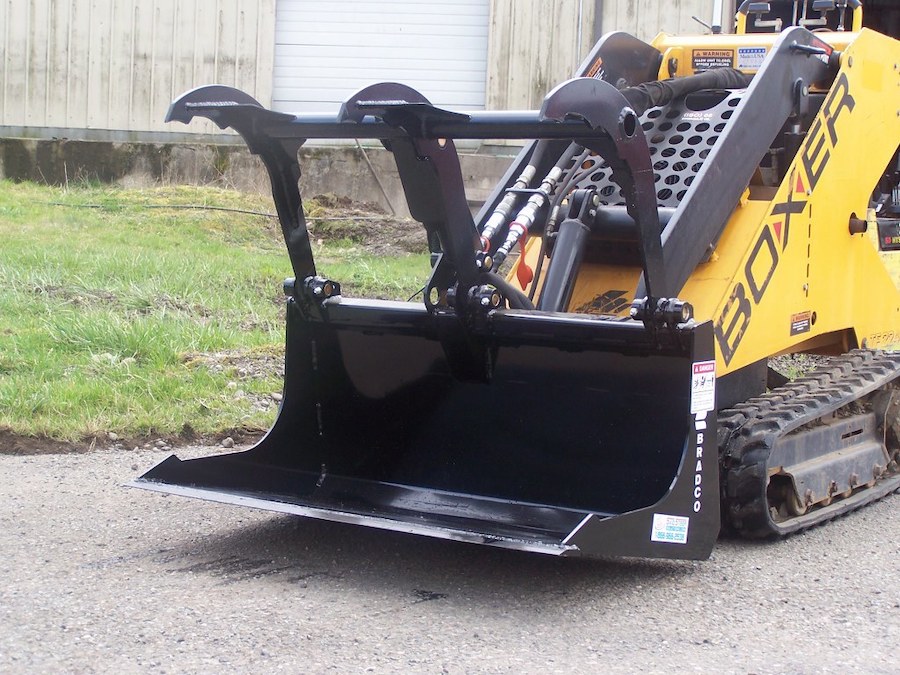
[[109, 300]]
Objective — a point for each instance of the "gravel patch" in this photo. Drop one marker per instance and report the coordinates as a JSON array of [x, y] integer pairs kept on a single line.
[[100, 578]]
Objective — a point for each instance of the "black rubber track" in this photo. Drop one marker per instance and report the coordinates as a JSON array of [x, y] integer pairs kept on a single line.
[[748, 431]]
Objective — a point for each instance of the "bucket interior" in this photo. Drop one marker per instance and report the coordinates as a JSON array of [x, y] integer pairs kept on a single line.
[[373, 422]]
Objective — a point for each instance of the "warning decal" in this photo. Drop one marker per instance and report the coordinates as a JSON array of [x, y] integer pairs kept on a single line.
[[671, 529], [595, 69], [800, 323], [889, 235], [703, 386], [706, 59]]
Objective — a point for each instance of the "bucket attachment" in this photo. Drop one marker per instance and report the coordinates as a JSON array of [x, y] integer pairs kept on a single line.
[[580, 440], [475, 415]]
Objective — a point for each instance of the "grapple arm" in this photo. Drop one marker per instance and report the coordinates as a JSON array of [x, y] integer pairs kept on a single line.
[[591, 112]]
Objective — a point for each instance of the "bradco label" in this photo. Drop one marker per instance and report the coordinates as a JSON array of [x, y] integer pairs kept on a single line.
[[670, 529]]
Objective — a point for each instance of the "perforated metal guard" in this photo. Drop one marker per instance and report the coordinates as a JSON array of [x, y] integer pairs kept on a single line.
[[681, 136]]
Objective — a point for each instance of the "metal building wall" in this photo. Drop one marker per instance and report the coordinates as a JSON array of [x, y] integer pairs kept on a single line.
[[536, 44], [107, 69], [323, 55], [83, 67], [646, 18]]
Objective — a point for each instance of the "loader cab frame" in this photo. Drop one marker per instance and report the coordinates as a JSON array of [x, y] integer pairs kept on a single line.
[[814, 15], [882, 16]]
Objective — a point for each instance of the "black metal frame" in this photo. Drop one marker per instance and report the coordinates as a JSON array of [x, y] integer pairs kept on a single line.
[[465, 364], [588, 111], [591, 112], [797, 61], [411, 416]]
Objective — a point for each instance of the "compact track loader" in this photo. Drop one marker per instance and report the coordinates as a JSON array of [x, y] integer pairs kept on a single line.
[[684, 210]]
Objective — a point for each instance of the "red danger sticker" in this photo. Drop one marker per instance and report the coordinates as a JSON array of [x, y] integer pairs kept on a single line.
[[703, 386]]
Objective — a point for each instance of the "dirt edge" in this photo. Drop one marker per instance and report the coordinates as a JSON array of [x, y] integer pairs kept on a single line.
[[12, 443]]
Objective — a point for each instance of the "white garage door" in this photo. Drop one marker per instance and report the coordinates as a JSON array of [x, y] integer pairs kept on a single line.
[[326, 51]]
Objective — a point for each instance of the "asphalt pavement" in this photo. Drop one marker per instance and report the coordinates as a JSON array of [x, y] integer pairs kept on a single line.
[[97, 577]]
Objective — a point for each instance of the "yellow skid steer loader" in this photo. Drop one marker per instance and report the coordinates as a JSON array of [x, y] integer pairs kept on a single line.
[[684, 210]]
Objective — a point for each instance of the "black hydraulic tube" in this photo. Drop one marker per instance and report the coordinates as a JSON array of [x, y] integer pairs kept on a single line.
[[571, 177], [661, 92], [516, 298], [563, 268], [538, 199], [612, 223]]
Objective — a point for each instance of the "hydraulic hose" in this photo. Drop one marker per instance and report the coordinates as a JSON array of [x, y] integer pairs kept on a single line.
[[516, 298], [501, 213], [660, 92], [528, 213]]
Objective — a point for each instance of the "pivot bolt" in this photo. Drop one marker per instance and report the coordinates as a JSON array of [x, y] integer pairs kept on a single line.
[[486, 297], [322, 288]]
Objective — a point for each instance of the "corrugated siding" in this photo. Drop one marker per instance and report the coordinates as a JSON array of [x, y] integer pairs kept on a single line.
[[535, 45], [117, 64], [324, 54], [646, 18]]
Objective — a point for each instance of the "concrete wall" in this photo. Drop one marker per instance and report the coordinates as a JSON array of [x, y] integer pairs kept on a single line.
[[79, 65], [107, 69], [363, 175]]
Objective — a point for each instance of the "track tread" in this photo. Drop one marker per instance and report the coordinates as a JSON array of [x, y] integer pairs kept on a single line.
[[748, 431]]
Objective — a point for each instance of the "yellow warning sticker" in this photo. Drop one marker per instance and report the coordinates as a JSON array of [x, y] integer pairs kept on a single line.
[[707, 59]]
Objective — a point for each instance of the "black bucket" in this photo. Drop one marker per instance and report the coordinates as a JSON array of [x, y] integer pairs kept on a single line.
[[580, 440]]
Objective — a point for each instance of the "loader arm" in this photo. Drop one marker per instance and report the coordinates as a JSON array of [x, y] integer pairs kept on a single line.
[[590, 112], [797, 61]]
